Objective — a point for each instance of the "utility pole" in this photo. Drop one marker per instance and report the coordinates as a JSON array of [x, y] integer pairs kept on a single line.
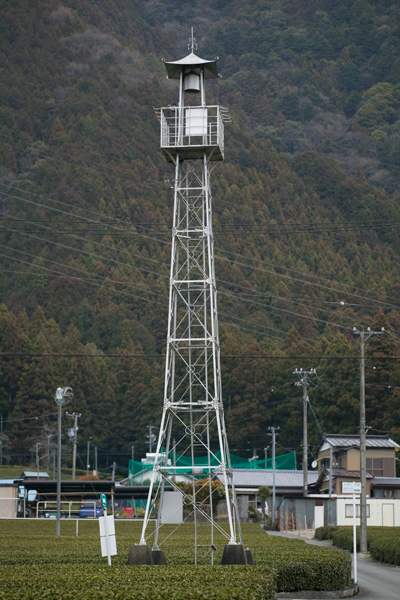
[[75, 416], [253, 458], [37, 458], [304, 381], [88, 456], [133, 453], [273, 431], [1, 441], [151, 437], [95, 460], [364, 337], [48, 451], [54, 463]]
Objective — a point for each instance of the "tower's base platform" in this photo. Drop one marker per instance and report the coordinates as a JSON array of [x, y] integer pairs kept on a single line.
[[140, 554], [235, 554]]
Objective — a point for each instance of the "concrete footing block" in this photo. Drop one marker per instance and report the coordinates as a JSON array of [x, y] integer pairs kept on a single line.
[[234, 554], [140, 554], [249, 556], [158, 557]]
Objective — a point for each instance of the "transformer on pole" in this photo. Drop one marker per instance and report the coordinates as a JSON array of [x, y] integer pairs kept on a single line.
[[192, 425]]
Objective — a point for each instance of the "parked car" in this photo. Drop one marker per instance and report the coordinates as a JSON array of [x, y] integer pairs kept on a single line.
[[90, 509]]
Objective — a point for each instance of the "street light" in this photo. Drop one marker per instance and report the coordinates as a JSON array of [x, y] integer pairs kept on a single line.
[[63, 396]]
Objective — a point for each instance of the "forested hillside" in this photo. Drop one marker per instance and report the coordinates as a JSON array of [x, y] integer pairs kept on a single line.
[[306, 213]]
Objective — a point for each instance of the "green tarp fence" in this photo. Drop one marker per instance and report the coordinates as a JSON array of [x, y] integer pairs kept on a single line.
[[283, 462]]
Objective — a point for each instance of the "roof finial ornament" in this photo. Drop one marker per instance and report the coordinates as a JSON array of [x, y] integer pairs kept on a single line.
[[192, 45]]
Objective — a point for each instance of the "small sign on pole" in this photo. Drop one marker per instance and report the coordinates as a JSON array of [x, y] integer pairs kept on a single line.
[[353, 487], [354, 541], [107, 532]]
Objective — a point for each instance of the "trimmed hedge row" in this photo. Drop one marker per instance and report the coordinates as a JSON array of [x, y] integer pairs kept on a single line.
[[83, 582], [325, 533], [383, 542], [300, 566], [385, 546], [38, 564]]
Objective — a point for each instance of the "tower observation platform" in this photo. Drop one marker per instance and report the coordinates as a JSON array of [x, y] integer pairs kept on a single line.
[[192, 131]]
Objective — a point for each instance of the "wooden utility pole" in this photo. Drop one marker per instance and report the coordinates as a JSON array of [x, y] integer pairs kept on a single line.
[[273, 431], [304, 381], [364, 337]]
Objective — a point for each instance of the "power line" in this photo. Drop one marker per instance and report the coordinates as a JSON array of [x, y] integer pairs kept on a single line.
[[35, 203], [74, 277], [286, 276], [98, 277], [249, 266], [35, 418], [223, 356]]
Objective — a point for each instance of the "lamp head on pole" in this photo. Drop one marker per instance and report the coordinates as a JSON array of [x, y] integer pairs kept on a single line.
[[63, 395]]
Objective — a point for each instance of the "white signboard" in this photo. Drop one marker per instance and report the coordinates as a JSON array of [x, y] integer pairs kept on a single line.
[[107, 536], [351, 487], [172, 508], [196, 121]]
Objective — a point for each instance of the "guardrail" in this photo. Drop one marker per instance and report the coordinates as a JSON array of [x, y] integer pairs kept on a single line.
[[47, 509]]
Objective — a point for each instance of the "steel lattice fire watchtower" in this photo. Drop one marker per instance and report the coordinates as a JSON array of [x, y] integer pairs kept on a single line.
[[192, 425]]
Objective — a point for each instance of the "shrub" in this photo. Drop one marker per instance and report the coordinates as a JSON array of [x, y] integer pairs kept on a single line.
[[38, 564], [383, 542], [325, 533]]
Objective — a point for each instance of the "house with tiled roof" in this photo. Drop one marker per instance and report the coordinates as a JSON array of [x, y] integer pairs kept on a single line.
[[288, 485], [339, 462]]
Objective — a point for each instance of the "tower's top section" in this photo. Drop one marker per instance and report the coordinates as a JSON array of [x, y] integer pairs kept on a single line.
[[192, 70], [191, 63], [188, 130]]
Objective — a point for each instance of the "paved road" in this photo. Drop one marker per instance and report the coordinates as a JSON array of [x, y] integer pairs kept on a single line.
[[377, 581]]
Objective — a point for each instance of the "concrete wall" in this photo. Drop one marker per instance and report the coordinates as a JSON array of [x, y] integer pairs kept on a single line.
[[306, 513], [8, 502], [383, 511]]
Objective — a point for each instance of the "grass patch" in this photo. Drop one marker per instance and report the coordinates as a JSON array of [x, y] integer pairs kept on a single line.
[[38, 564]]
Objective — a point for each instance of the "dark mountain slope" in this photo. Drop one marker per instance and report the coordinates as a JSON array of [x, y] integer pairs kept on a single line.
[[306, 209]]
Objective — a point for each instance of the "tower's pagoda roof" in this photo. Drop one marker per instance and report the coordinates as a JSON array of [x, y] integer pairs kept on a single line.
[[175, 67]]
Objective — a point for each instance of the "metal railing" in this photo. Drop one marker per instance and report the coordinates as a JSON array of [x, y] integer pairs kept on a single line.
[[192, 126], [69, 509]]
